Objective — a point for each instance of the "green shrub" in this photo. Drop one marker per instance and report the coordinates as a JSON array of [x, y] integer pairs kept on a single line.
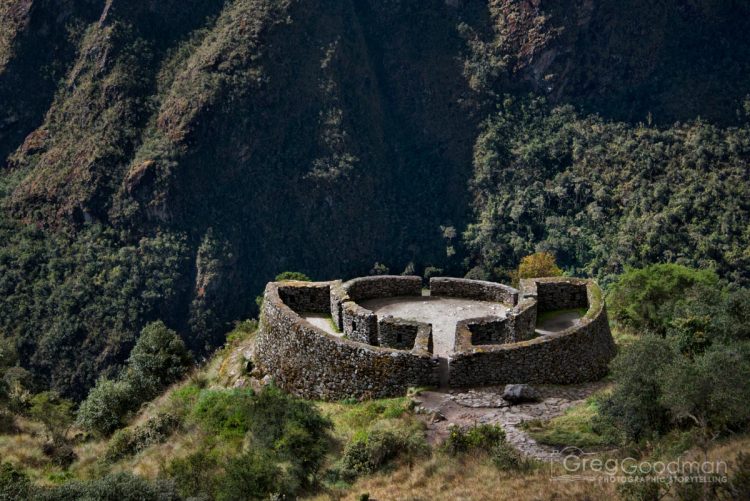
[[640, 491], [288, 429], [242, 330], [292, 275], [226, 413], [195, 475], [293, 427], [14, 484], [739, 482], [634, 404], [484, 437], [645, 299], [106, 406], [117, 486], [252, 476], [158, 359], [370, 451], [54, 412], [131, 441], [505, 457], [710, 391]]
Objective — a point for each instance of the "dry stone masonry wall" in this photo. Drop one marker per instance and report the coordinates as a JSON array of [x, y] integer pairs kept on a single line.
[[578, 354], [401, 334], [473, 289], [312, 363], [383, 357]]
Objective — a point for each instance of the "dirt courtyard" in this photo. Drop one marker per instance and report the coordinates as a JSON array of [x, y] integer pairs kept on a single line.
[[442, 312]]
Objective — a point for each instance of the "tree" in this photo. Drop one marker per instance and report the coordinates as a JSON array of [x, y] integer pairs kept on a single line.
[[634, 404], [158, 359], [711, 391], [539, 264], [292, 275], [645, 299], [251, 476], [54, 412], [107, 404], [14, 484]]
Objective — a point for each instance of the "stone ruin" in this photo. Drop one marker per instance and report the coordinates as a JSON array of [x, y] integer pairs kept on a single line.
[[318, 341]]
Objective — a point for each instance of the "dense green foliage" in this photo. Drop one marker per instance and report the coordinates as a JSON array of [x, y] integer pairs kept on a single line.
[[15, 486], [691, 364], [158, 359], [117, 486], [604, 196], [485, 439], [371, 451], [646, 299], [285, 441], [130, 441], [481, 437], [74, 306]]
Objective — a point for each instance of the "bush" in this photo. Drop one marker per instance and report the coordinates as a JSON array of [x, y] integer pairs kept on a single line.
[[54, 412], [646, 299], [711, 390], [117, 486], [195, 475], [634, 404], [286, 429], [505, 457], [14, 485], [540, 264], [127, 442], [293, 427], [252, 476], [369, 452], [739, 482], [158, 359], [484, 437], [292, 275], [106, 406], [226, 413]]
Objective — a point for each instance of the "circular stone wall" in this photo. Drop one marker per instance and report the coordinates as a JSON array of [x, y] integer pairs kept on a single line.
[[312, 363]]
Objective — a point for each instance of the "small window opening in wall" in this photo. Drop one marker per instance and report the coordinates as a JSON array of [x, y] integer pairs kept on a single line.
[[399, 338], [354, 325]]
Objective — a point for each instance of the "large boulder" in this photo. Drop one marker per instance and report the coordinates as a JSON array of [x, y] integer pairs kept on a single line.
[[519, 393]]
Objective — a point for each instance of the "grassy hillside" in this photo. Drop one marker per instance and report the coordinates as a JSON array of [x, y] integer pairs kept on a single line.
[[219, 434]]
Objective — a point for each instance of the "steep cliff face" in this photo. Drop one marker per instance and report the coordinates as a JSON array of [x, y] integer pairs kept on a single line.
[[37, 42], [311, 135], [272, 122]]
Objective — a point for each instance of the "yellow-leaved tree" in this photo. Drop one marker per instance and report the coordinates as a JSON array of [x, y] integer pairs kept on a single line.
[[539, 264]]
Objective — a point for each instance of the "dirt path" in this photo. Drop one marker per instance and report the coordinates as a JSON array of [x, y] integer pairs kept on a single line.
[[486, 406]]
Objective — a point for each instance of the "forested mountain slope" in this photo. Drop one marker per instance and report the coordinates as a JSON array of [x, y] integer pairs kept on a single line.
[[162, 160]]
